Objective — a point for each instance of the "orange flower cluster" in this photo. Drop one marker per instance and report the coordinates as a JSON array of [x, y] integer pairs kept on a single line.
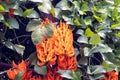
[[16, 69], [64, 63], [61, 43], [112, 75], [27, 75], [57, 51], [52, 74]]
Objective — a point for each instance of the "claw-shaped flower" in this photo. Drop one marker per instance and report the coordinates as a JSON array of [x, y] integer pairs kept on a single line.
[[61, 43]]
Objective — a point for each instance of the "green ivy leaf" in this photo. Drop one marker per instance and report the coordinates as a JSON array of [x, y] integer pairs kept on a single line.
[[63, 5], [88, 21], [112, 59], [111, 2], [2, 8], [75, 76], [101, 11], [96, 69], [86, 51], [13, 5], [68, 20], [33, 58], [82, 39], [57, 12], [49, 30], [99, 19], [19, 75], [76, 4], [66, 74], [45, 6], [102, 31], [19, 12], [105, 64], [118, 34], [27, 12], [94, 9], [9, 44], [1, 17], [115, 14], [115, 25], [33, 14], [76, 51], [76, 21], [6, 24], [97, 76], [83, 61], [109, 66], [40, 69], [33, 25], [13, 23], [5, 6], [104, 17], [52, 11], [19, 49], [116, 2], [95, 39], [13, 1], [80, 32], [37, 35], [101, 48], [84, 7], [89, 33]]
